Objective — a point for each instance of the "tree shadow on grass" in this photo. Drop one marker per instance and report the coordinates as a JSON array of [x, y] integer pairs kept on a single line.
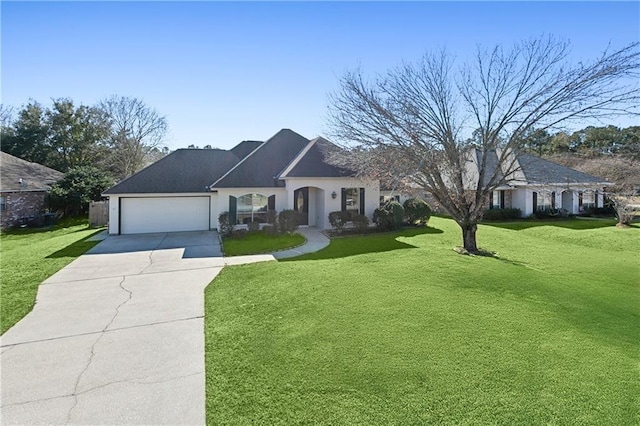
[[75, 249], [575, 224], [376, 243]]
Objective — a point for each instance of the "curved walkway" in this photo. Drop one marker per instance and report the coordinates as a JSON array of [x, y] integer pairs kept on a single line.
[[117, 336]]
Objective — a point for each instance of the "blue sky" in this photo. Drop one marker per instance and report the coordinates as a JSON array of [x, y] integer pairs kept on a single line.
[[225, 72]]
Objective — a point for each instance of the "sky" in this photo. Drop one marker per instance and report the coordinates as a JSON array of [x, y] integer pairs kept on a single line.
[[223, 72]]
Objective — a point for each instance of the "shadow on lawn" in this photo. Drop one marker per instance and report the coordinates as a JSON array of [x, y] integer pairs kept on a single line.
[[75, 249], [376, 243], [575, 224]]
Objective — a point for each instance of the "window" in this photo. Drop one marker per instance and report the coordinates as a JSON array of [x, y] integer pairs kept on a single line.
[[542, 201], [3, 204], [252, 207], [496, 200], [353, 200], [586, 200]]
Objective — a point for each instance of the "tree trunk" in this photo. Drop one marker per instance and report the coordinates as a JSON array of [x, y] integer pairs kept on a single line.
[[469, 237]]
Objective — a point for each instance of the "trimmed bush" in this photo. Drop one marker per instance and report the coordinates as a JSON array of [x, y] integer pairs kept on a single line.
[[270, 230], [339, 219], [501, 214], [361, 222], [272, 216], [417, 210], [601, 211], [225, 227], [288, 221], [389, 216], [253, 226]]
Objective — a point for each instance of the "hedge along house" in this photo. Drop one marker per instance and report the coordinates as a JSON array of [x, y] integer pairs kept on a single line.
[[539, 184], [188, 189]]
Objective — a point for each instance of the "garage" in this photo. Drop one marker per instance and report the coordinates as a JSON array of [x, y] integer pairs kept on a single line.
[[139, 215]]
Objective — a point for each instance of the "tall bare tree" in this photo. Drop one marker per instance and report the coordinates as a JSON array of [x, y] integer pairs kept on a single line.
[[426, 113], [136, 129]]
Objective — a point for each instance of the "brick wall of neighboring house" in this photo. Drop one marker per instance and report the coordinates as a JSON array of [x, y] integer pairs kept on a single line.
[[508, 199], [21, 205]]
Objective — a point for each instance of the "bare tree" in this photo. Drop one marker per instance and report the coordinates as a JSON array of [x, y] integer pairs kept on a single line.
[[427, 110], [136, 131]]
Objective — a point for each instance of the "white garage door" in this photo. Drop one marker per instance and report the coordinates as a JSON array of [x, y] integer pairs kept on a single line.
[[163, 214]]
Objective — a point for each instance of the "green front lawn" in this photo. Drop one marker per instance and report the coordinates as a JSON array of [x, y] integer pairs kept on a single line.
[[259, 242], [31, 256], [399, 329]]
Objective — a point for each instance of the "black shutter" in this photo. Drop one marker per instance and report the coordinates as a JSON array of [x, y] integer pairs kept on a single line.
[[553, 200], [535, 201], [595, 200], [343, 200], [271, 203], [491, 200], [362, 201], [502, 206], [233, 209]]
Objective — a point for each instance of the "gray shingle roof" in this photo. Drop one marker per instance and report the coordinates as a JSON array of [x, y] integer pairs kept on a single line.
[[492, 163], [245, 148], [261, 168], [314, 162], [184, 170], [539, 171], [35, 177]]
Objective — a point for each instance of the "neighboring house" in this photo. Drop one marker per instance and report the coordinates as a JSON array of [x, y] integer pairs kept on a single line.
[[23, 189], [189, 188], [538, 184]]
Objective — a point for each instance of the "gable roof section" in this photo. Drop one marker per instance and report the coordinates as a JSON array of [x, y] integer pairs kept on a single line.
[[245, 148], [260, 169], [184, 170], [539, 171], [492, 162], [312, 162], [35, 177]]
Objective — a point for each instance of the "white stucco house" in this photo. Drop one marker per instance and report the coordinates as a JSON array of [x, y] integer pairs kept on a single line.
[[537, 184], [189, 188]]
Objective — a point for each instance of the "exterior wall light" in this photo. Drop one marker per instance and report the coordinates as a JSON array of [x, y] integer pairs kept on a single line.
[[334, 195]]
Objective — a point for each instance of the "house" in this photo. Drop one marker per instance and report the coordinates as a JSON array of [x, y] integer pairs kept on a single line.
[[189, 188], [23, 189], [537, 184]]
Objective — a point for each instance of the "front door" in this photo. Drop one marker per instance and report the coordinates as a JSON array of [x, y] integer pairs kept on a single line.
[[301, 204]]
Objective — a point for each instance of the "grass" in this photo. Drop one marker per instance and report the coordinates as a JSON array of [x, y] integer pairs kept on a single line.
[[399, 329], [259, 242], [30, 256]]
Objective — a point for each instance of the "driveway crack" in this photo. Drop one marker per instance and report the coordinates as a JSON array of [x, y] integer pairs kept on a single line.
[[93, 346]]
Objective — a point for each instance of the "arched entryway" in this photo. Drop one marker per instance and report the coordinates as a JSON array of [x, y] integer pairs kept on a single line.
[[308, 201]]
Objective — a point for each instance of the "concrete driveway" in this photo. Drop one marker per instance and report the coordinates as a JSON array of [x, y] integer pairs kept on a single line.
[[116, 337]]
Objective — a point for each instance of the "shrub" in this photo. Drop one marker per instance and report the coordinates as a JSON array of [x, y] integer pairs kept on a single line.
[[501, 214], [417, 210], [253, 226], [288, 221], [382, 218], [361, 222], [272, 216], [397, 213], [339, 219], [225, 227], [389, 216], [601, 211], [270, 230]]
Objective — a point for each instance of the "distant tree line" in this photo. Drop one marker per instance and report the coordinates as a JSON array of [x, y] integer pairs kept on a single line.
[[94, 145]]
